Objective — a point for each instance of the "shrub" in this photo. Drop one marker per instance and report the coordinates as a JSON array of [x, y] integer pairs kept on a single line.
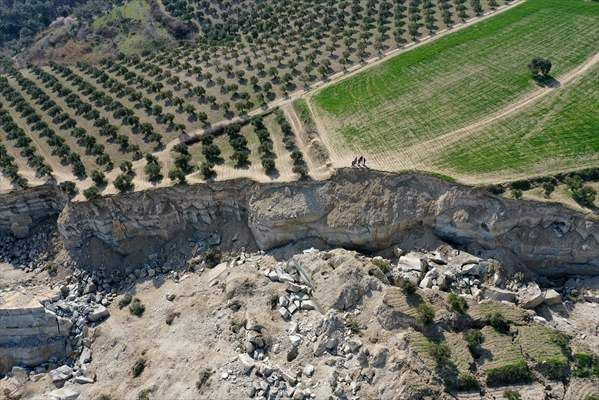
[[591, 397], [125, 301], [426, 314], [517, 194], [474, 338], [205, 374], [144, 394], [104, 397], [548, 188], [170, 317], [408, 287], [124, 182], [467, 382], [177, 175], [458, 303], [439, 351], [212, 256], [353, 324], [586, 365], [68, 187], [511, 395], [137, 308], [515, 372], [585, 196], [498, 322], [555, 368], [99, 178], [91, 193], [138, 367], [382, 264]]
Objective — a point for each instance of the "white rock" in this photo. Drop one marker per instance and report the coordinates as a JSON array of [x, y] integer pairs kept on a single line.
[[284, 313], [86, 356], [530, 297], [98, 314], [497, 294], [308, 305], [552, 297], [295, 340], [83, 380], [308, 370], [64, 394], [61, 373]]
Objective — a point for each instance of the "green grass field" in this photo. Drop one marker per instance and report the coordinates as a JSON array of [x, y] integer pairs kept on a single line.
[[460, 78], [560, 131]]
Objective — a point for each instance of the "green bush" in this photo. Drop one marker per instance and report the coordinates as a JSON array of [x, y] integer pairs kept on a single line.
[[586, 365], [125, 301], [474, 338], [91, 193], [458, 304], [467, 382], [591, 397], [138, 367], [439, 351], [407, 287], [515, 372], [511, 395], [498, 322], [382, 264], [426, 314], [555, 368], [137, 308], [104, 397]]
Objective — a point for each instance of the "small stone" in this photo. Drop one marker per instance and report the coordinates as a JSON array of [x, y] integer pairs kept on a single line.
[[295, 340], [308, 305], [284, 313], [308, 370], [99, 313], [170, 296]]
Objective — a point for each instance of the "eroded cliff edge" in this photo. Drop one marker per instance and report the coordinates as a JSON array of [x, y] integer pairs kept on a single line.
[[358, 209]]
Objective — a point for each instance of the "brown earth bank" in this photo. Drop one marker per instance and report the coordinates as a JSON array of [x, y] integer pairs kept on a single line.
[[357, 209]]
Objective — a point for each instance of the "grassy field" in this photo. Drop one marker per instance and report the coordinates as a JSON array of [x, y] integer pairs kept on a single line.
[[560, 131], [458, 79]]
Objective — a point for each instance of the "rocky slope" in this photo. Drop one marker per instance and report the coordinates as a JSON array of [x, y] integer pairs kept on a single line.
[[357, 209], [324, 325]]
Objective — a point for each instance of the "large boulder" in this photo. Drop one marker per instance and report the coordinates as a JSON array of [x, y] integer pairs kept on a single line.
[[531, 296]]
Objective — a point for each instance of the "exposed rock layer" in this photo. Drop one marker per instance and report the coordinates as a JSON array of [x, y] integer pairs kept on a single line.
[[29, 334], [360, 209]]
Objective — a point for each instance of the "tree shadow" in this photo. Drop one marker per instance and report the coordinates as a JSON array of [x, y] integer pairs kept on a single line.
[[547, 81]]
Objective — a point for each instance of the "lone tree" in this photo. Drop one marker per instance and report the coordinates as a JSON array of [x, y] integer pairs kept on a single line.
[[540, 67]]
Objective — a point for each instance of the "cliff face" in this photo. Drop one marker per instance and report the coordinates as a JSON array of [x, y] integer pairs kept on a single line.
[[21, 210], [359, 209], [29, 334]]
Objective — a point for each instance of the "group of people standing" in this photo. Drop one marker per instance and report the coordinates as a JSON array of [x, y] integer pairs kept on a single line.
[[359, 162]]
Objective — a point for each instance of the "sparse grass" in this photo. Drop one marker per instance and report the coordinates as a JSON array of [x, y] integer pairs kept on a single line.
[[137, 308], [547, 349], [304, 114], [407, 287], [170, 317], [458, 304], [204, 376], [138, 367], [512, 395], [516, 372], [125, 301], [382, 264], [353, 324]]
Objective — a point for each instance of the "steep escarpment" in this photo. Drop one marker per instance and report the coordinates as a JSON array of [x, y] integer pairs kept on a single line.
[[21, 210], [359, 209]]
